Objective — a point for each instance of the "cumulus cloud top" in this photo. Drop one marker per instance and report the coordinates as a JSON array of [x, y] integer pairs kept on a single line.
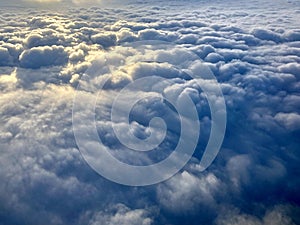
[[43, 56]]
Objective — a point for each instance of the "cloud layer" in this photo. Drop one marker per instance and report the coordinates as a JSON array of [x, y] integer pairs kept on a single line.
[[254, 52]]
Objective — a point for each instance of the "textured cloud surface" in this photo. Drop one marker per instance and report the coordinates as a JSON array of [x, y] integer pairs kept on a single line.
[[253, 49]]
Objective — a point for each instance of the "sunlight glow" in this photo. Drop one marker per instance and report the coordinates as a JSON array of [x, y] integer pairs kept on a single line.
[[42, 1]]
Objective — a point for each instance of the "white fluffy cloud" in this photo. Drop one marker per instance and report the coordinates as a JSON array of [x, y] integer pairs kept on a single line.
[[188, 193], [122, 216], [276, 216], [290, 121], [43, 56]]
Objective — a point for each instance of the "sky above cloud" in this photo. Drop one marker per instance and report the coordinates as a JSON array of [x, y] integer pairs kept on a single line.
[[251, 47]]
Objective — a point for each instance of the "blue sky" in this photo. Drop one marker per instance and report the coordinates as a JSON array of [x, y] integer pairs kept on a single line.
[[80, 80]]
